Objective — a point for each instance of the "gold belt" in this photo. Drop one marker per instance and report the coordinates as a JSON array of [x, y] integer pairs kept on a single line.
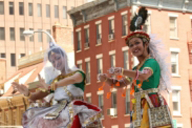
[[71, 96], [138, 96]]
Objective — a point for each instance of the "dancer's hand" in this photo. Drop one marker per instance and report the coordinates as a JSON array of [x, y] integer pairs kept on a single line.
[[21, 88], [42, 83], [102, 77], [115, 71]]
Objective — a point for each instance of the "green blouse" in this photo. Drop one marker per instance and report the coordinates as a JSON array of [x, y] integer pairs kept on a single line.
[[153, 80], [81, 85]]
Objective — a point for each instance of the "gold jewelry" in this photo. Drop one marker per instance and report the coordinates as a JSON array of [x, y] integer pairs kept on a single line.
[[29, 95], [122, 71], [106, 79], [42, 89]]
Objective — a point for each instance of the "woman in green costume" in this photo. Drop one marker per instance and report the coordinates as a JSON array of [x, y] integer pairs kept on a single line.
[[150, 77]]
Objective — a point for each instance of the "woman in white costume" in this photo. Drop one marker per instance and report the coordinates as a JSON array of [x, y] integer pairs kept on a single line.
[[67, 89]]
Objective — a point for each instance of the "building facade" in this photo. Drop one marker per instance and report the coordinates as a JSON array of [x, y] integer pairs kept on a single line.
[[100, 28], [19, 15]]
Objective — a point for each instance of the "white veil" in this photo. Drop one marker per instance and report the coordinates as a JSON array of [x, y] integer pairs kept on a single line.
[[160, 54], [50, 72]]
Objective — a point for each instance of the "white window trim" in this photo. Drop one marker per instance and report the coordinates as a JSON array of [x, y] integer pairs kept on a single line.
[[177, 50], [191, 17], [178, 88], [179, 125], [78, 29], [98, 22], [79, 62], [127, 125], [88, 94], [111, 17], [173, 15], [115, 126], [98, 56], [87, 59], [125, 48], [124, 13], [100, 92], [86, 26], [112, 52], [114, 90]]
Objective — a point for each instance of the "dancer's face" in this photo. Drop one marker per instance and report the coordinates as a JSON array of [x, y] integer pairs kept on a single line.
[[137, 47], [57, 61]]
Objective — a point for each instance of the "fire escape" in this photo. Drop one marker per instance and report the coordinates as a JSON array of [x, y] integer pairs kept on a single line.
[[189, 44]]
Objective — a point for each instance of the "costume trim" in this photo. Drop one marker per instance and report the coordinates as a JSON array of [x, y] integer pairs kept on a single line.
[[149, 69]]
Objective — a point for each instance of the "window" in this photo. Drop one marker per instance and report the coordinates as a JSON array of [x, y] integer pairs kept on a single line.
[[176, 101], [12, 34], [127, 102], [88, 97], [30, 9], [88, 72], [3, 55], [111, 26], [173, 27], [48, 38], [98, 26], [31, 38], [13, 59], [125, 60], [174, 62], [64, 12], [147, 25], [112, 60], [22, 55], [79, 66], [40, 37], [11, 8], [2, 33], [101, 103], [79, 40], [21, 8], [124, 25], [56, 11], [22, 38], [99, 66], [47, 10], [114, 99], [87, 35], [39, 13], [1, 7]]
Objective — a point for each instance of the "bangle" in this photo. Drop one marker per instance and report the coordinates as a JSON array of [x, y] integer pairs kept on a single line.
[[29, 95], [137, 75], [122, 71], [106, 79]]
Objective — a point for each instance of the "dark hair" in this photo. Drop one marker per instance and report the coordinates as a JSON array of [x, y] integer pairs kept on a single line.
[[57, 51], [144, 42]]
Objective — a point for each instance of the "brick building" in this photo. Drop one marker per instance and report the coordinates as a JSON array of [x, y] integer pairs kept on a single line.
[[99, 31]]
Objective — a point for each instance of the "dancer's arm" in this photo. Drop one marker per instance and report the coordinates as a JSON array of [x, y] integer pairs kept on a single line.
[[75, 78], [25, 91], [110, 81], [140, 75]]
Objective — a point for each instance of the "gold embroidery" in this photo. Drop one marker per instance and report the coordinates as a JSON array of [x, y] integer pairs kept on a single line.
[[149, 69]]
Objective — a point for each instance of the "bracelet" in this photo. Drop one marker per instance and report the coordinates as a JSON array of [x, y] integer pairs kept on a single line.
[[106, 79], [137, 75], [29, 95], [122, 71]]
